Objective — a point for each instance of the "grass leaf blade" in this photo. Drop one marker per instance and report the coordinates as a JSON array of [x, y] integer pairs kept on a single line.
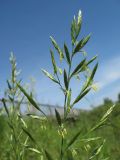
[[73, 139], [81, 95], [53, 61], [67, 54], [58, 117], [31, 100], [81, 44], [5, 106], [49, 76], [48, 155], [65, 79], [28, 134], [57, 48]]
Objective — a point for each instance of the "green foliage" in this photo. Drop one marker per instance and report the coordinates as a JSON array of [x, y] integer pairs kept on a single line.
[[31, 100], [33, 137], [17, 133], [83, 66], [58, 117]]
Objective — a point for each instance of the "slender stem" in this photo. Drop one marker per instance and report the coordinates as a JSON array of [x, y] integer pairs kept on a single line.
[[69, 71], [62, 142], [65, 109]]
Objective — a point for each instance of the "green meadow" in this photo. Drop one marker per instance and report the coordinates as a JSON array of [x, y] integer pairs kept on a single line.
[[47, 137]]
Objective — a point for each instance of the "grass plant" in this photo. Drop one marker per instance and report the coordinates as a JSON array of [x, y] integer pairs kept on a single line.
[[79, 144]]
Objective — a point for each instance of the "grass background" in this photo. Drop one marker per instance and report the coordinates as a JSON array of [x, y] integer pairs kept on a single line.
[[49, 138]]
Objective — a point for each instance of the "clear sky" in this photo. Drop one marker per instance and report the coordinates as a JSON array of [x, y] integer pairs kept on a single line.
[[25, 28]]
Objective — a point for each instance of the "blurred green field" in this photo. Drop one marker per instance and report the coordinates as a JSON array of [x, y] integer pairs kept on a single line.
[[47, 137]]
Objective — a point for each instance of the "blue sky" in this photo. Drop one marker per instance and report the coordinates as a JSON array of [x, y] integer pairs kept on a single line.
[[25, 28]]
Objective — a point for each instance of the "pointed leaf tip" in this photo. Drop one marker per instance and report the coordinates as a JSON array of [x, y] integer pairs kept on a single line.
[[58, 117]]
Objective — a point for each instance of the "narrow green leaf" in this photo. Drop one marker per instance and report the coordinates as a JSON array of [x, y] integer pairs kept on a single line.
[[48, 155], [93, 72], [73, 32], [90, 139], [90, 79], [73, 139], [11, 126], [97, 151], [22, 120], [49, 76], [90, 61], [81, 95], [5, 106], [57, 48], [103, 119], [98, 125], [9, 86], [33, 116], [34, 150], [67, 54], [79, 66], [25, 125], [28, 134], [81, 44], [65, 79], [31, 100], [58, 117], [107, 113], [53, 62]]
